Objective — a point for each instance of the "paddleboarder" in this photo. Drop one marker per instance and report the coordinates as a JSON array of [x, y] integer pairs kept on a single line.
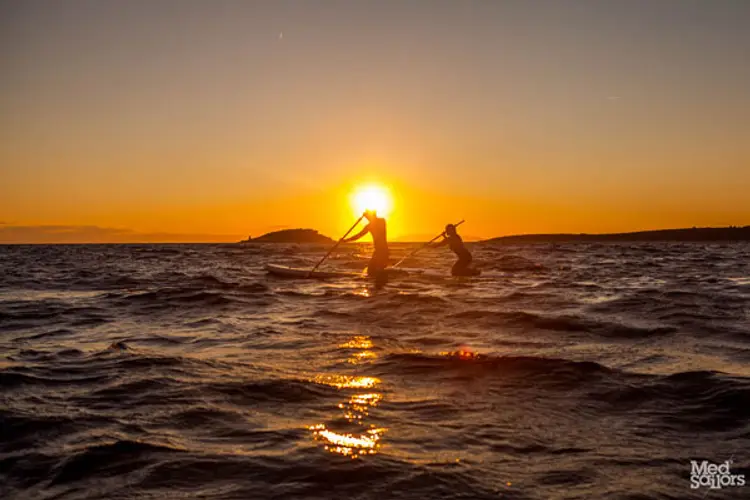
[[377, 228], [463, 266]]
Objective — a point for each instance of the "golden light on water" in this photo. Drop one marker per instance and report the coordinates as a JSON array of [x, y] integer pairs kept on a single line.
[[372, 197], [361, 356], [358, 342], [348, 445], [353, 444], [346, 382], [363, 292], [361, 402], [363, 440]]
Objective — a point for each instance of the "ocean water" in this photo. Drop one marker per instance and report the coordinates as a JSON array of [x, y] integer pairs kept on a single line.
[[184, 371]]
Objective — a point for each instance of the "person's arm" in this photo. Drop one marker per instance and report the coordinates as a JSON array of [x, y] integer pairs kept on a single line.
[[358, 235]]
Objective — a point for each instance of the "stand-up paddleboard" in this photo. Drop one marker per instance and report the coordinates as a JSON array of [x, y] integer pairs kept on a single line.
[[306, 273], [296, 272]]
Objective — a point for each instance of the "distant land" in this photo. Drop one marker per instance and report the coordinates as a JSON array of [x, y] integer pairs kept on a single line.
[[695, 234], [290, 236]]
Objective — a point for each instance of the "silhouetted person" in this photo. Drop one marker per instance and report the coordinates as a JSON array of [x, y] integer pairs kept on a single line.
[[462, 267], [376, 227]]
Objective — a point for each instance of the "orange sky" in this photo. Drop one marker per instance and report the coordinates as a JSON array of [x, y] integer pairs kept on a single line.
[[200, 121]]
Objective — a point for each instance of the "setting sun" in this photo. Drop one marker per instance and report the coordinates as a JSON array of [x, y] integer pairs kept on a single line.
[[372, 197]]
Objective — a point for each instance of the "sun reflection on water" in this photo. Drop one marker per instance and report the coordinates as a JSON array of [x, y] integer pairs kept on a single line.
[[363, 292], [349, 445], [346, 381], [358, 405], [365, 439], [358, 342], [360, 356]]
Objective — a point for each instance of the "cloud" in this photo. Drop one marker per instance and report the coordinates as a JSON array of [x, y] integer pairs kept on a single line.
[[96, 234]]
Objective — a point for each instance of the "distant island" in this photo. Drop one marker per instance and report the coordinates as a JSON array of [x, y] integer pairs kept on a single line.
[[695, 234], [290, 236]]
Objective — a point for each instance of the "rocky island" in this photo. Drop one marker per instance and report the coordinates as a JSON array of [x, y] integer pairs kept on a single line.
[[290, 236]]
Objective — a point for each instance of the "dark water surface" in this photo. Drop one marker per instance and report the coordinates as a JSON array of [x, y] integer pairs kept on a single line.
[[183, 371]]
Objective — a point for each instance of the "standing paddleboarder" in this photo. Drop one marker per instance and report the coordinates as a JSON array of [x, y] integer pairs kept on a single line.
[[377, 228]]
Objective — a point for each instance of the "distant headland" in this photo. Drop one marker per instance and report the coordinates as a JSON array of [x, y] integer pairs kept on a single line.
[[290, 236], [695, 234]]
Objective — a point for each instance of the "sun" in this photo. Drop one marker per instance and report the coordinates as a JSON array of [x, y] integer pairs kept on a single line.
[[372, 197]]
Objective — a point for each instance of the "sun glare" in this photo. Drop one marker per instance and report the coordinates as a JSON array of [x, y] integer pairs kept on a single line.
[[372, 197]]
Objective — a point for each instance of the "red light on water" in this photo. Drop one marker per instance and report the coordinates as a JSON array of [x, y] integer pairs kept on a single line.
[[465, 352]]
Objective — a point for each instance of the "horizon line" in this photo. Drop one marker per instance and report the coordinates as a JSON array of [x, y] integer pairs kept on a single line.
[[230, 239]]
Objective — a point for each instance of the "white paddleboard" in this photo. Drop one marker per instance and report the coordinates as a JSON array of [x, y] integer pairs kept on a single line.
[[304, 273], [296, 272]]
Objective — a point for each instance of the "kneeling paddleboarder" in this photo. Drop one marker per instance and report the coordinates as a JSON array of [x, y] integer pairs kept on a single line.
[[463, 266]]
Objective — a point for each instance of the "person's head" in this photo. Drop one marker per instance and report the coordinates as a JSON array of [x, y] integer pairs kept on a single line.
[[450, 229], [370, 215]]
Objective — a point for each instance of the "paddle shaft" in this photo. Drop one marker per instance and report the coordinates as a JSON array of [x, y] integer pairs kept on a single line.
[[336, 245], [420, 248]]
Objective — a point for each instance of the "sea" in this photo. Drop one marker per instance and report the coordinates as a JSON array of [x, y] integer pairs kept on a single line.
[[567, 371]]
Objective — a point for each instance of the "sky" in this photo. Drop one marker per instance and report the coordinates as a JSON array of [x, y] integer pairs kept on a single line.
[[184, 120]]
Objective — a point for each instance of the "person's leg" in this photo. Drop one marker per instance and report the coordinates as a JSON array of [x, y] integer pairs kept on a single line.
[[459, 268], [463, 267], [374, 268], [378, 263]]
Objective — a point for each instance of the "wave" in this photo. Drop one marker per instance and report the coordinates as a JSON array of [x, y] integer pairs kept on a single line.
[[271, 391], [697, 400], [531, 369], [512, 263], [13, 378], [58, 332], [561, 323], [42, 310], [169, 298], [107, 460]]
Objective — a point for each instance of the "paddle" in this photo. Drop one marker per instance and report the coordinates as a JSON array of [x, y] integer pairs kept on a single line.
[[336, 245], [420, 248]]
